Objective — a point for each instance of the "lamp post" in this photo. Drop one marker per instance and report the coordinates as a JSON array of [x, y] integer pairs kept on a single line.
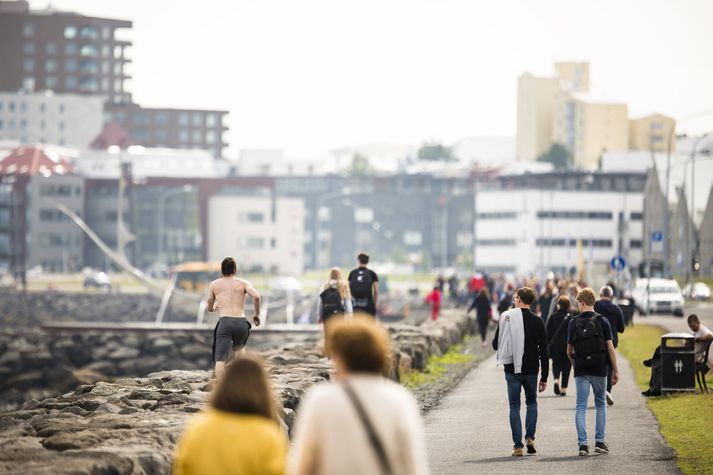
[[161, 203]]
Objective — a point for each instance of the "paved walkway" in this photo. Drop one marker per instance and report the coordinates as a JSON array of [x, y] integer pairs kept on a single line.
[[469, 431]]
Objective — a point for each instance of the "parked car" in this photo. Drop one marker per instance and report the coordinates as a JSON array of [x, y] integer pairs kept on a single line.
[[664, 296], [97, 280], [697, 291]]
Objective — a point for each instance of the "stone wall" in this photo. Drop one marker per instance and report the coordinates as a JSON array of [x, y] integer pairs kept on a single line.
[[131, 425]]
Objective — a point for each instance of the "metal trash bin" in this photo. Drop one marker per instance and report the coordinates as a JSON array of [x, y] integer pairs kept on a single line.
[[678, 362]]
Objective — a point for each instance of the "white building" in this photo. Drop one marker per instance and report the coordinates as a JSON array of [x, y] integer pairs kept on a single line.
[[263, 233], [565, 223], [43, 117]]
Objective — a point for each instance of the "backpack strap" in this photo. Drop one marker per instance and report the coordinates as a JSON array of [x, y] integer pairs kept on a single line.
[[371, 433]]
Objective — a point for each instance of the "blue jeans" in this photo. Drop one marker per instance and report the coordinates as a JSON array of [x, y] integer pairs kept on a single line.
[[599, 386], [516, 383]]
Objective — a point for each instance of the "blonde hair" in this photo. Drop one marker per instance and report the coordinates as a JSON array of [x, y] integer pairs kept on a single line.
[[342, 285], [362, 344], [586, 296]]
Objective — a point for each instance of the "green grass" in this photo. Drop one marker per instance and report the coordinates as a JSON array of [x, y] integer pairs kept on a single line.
[[436, 366], [684, 419]]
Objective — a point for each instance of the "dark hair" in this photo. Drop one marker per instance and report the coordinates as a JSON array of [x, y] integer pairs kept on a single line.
[[526, 295], [484, 292], [363, 258], [563, 303], [228, 266], [245, 389], [693, 318], [360, 343]]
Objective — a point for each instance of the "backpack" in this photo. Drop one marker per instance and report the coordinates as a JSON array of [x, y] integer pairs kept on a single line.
[[331, 303], [589, 343], [360, 285]]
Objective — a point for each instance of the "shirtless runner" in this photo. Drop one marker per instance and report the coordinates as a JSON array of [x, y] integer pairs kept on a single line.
[[227, 296]]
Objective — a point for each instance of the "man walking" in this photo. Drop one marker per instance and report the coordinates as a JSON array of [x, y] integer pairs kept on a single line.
[[589, 346], [364, 286], [227, 296], [613, 314], [521, 343]]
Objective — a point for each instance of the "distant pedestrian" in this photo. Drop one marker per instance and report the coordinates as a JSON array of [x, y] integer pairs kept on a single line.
[[521, 343], [440, 283], [364, 286], [434, 300], [483, 311], [591, 350], [335, 298], [506, 302], [239, 434], [227, 296], [544, 302], [453, 289], [363, 423], [557, 326], [611, 311]]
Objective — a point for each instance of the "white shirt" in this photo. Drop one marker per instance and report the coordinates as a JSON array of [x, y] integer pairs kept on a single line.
[[701, 345], [329, 429]]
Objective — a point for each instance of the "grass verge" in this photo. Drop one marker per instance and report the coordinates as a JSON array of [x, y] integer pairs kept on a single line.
[[438, 365], [685, 418]]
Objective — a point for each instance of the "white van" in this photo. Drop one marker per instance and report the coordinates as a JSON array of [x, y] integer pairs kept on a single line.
[[664, 296]]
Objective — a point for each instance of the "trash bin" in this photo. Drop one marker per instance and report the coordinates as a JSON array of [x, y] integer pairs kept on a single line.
[[678, 362]]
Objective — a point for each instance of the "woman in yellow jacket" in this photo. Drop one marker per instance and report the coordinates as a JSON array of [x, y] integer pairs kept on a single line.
[[239, 434]]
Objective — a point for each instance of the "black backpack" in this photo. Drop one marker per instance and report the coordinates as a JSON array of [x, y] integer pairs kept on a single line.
[[590, 347], [331, 303], [360, 284]]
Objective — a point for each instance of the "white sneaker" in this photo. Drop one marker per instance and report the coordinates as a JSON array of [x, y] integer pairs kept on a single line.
[[610, 400]]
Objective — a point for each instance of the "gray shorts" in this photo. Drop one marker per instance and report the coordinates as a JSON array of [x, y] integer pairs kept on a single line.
[[230, 332]]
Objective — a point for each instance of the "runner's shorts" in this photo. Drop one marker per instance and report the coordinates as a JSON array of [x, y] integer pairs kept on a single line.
[[230, 332]]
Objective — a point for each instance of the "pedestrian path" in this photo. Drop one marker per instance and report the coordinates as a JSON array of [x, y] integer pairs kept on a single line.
[[469, 431]]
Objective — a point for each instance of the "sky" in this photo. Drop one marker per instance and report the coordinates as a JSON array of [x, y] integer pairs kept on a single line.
[[312, 75]]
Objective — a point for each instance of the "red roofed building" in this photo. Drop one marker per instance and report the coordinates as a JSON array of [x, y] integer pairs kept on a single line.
[[112, 135], [34, 161]]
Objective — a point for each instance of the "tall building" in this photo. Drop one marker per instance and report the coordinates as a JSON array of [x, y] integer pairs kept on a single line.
[[173, 128], [536, 99], [69, 120], [588, 128], [62, 51], [652, 133], [572, 76]]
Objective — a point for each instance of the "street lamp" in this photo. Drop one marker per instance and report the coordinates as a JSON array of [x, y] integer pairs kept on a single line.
[[161, 203]]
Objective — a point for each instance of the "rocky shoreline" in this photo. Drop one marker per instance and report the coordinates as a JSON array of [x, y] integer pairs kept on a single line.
[[131, 425]]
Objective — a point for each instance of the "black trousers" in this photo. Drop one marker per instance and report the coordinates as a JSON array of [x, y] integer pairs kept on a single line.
[[561, 365]]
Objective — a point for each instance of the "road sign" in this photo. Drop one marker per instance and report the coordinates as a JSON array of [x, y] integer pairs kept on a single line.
[[656, 236], [656, 241], [618, 263]]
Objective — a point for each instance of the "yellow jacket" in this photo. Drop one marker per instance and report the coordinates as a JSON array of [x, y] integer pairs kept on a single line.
[[219, 442]]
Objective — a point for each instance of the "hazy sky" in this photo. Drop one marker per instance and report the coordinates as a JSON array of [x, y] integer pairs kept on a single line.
[[309, 75]]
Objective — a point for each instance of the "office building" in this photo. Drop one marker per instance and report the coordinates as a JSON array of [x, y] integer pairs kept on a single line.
[[69, 120], [63, 52], [655, 132], [536, 99]]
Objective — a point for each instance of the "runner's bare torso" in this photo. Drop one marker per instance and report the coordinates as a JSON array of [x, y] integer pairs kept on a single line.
[[227, 296]]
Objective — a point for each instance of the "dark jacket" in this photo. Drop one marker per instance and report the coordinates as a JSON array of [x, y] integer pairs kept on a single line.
[[535, 354], [481, 304], [557, 326], [614, 315]]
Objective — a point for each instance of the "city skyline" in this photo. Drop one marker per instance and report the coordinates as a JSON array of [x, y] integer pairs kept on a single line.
[[400, 73]]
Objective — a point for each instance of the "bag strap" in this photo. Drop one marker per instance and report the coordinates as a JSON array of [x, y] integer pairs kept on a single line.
[[371, 433], [559, 328]]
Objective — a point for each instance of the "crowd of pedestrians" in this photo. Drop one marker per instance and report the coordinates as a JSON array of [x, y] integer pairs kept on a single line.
[[364, 423]]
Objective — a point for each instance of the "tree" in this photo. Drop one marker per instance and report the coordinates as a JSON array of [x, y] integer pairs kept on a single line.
[[558, 155], [360, 166], [435, 152]]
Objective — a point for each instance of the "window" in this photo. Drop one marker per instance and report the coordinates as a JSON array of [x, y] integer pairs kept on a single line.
[[1, 124], [105, 84], [106, 51], [117, 85], [88, 84], [23, 123], [28, 48], [88, 32], [70, 32], [70, 82], [43, 125], [60, 125], [636, 216], [198, 119], [161, 118], [23, 106], [273, 243], [117, 69], [50, 65], [635, 244], [210, 137], [105, 67], [88, 50], [183, 136], [363, 215], [495, 242], [28, 30], [251, 217], [183, 119], [413, 238], [70, 49], [50, 82], [498, 215], [210, 120], [197, 136], [28, 65], [88, 66], [161, 135], [61, 108], [117, 52], [106, 33], [595, 215]]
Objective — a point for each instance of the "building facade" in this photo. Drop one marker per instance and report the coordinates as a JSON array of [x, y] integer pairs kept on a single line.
[[705, 239], [683, 237], [63, 119], [536, 99], [173, 128], [567, 223], [655, 132], [63, 52]]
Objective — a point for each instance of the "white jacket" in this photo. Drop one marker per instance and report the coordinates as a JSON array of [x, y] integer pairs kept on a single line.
[[511, 339]]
